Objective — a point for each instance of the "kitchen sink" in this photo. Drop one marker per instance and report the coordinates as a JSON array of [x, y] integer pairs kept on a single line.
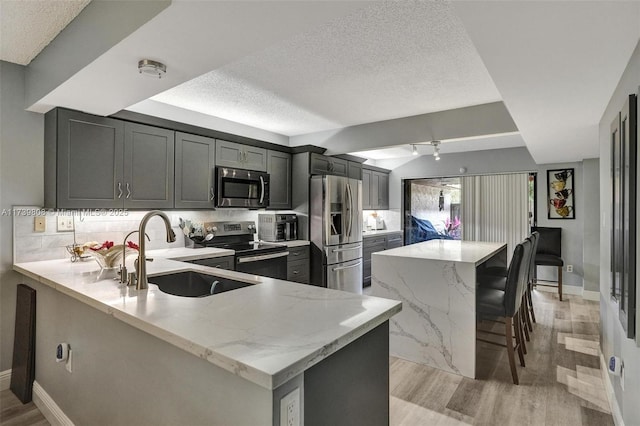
[[195, 284]]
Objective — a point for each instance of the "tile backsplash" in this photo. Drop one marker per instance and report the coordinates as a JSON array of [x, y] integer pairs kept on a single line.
[[391, 218], [29, 245]]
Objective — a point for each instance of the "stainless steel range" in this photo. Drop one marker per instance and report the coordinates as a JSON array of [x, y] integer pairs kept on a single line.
[[252, 257]]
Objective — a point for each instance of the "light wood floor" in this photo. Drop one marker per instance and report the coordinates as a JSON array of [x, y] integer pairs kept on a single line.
[[14, 413], [560, 385]]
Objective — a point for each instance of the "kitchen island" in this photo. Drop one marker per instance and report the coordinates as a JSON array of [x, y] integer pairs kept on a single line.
[[435, 280], [147, 357]]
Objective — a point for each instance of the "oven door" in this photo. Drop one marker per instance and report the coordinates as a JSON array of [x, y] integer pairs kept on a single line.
[[273, 265], [242, 188]]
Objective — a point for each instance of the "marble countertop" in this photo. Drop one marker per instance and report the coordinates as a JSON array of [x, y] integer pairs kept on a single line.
[[266, 333], [366, 234], [474, 252]]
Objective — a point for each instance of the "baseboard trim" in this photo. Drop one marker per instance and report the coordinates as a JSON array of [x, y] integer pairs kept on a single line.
[[613, 403], [5, 379], [48, 407], [591, 295], [567, 289]]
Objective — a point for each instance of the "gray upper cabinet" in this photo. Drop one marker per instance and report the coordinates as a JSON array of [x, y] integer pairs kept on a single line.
[[323, 165], [194, 165], [279, 169], [375, 190], [366, 192], [98, 162], [148, 166], [355, 170], [83, 161], [235, 155], [383, 191]]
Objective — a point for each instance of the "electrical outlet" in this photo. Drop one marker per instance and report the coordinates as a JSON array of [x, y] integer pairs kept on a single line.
[[40, 224], [569, 268], [65, 223], [68, 365], [290, 409]]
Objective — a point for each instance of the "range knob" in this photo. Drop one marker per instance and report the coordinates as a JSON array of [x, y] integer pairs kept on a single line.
[[251, 228]]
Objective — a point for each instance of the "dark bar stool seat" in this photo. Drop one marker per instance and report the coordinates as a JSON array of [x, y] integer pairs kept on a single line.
[[505, 304], [549, 253]]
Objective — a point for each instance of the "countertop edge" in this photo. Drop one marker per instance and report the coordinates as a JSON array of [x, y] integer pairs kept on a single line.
[[261, 378]]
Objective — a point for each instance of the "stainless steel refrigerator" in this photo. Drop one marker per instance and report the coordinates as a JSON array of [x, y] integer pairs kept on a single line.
[[336, 233]]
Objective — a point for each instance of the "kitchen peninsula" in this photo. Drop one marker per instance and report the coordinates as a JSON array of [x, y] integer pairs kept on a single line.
[[147, 357], [435, 280]]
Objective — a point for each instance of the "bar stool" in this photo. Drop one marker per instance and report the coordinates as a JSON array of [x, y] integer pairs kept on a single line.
[[505, 304], [535, 236], [549, 253]]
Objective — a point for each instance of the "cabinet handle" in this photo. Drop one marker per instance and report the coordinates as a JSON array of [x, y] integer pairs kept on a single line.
[[239, 156], [120, 190], [295, 272], [212, 196], [245, 157], [128, 191]]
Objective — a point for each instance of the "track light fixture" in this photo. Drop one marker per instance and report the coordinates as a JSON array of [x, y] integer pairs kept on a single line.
[[414, 150], [436, 149]]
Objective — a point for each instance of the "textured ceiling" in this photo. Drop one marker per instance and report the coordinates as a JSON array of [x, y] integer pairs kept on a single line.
[[28, 26], [386, 60]]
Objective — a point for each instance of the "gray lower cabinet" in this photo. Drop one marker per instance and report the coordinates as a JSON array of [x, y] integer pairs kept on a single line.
[[148, 166], [373, 244], [323, 165], [239, 156], [279, 169], [298, 265], [375, 190], [98, 162], [194, 171]]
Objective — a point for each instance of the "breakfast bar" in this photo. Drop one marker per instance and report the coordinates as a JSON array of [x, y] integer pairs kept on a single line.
[[436, 282]]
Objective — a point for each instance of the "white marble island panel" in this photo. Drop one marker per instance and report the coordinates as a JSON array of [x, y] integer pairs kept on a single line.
[[436, 281]]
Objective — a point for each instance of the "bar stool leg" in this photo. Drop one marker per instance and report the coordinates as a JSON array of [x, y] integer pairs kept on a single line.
[[560, 282], [530, 296], [525, 318], [519, 340], [510, 349]]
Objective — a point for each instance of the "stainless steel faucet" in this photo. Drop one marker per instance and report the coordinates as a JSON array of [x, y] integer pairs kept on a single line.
[[123, 266], [141, 262]]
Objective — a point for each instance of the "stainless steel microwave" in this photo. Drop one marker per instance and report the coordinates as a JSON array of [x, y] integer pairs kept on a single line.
[[242, 188]]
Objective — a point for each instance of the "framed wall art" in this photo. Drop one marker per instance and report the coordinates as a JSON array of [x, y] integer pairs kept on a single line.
[[560, 193]]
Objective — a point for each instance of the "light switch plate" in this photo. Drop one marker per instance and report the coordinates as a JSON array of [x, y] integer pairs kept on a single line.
[[40, 224]]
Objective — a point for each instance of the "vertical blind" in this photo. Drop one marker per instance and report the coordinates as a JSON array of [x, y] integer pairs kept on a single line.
[[495, 208]]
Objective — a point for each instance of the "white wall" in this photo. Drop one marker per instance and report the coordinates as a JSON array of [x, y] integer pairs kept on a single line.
[[613, 340], [21, 182], [572, 229], [591, 224]]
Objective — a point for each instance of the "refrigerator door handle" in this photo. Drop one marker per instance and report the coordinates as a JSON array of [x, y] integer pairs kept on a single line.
[[350, 207], [340, 268], [261, 189]]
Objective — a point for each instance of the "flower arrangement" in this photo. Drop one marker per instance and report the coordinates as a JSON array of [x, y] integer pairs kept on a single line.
[[109, 255]]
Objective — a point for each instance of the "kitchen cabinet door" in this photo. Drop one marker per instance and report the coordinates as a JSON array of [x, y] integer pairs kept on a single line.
[[366, 189], [323, 165], [255, 158], [374, 192], [383, 191], [83, 161], [148, 167], [194, 165], [355, 170], [279, 169], [238, 156]]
